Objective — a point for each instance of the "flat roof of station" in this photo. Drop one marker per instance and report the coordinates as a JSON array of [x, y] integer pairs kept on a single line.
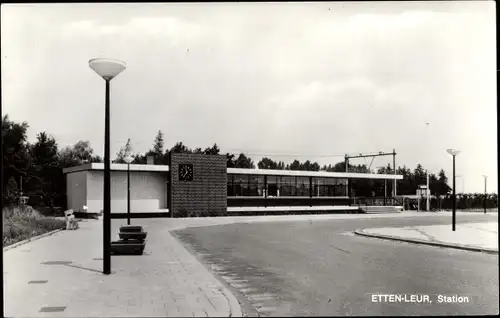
[[117, 167], [269, 172], [318, 174]]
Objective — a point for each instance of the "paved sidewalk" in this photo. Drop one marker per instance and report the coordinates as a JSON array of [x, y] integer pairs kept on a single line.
[[166, 281], [481, 237], [64, 270]]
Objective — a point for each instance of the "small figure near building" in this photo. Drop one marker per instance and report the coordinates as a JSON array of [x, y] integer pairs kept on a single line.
[[71, 222]]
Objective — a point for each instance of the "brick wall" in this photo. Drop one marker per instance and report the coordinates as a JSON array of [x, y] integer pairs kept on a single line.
[[206, 194]]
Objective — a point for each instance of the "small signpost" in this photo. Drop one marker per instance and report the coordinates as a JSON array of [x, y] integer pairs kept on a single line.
[[422, 192]]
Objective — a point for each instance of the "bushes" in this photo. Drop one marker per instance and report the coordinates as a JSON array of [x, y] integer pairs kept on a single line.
[[470, 201], [21, 225]]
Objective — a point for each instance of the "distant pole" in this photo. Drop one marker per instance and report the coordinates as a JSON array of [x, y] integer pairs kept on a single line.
[[454, 196], [485, 193], [453, 153], [394, 170], [427, 193], [346, 171], [128, 194], [428, 190]]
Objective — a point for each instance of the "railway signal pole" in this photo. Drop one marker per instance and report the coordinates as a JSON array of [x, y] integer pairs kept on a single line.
[[393, 154]]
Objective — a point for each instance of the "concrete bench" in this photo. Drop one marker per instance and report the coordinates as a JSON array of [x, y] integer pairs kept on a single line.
[[131, 242]]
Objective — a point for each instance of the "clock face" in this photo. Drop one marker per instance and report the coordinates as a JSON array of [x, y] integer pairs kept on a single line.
[[185, 172]]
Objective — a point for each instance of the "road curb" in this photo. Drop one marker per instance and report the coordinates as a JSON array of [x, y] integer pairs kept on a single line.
[[31, 239], [423, 242], [234, 305]]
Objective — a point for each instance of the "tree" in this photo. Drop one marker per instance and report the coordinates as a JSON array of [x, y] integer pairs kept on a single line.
[[442, 186], [314, 166], [230, 160], [295, 165], [420, 176], [158, 144], [124, 152], [83, 150], [306, 166], [46, 168], [78, 154], [15, 151], [244, 162], [267, 163], [179, 147], [45, 149], [11, 191], [433, 184], [158, 152], [96, 159], [17, 161], [405, 186], [68, 158], [385, 170], [139, 159], [281, 165], [339, 167], [214, 150]]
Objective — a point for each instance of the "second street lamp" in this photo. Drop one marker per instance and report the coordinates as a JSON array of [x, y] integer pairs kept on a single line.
[[453, 152], [107, 69], [128, 160], [485, 193]]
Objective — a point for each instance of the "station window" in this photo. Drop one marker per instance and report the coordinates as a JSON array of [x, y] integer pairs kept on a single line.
[[303, 186], [256, 186], [230, 186], [240, 185], [287, 187]]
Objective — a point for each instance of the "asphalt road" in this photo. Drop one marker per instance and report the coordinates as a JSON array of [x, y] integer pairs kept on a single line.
[[320, 268]]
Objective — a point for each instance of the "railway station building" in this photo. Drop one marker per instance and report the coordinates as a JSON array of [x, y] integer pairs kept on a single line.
[[198, 184]]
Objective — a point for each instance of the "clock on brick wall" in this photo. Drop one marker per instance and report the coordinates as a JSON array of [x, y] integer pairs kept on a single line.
[[185, 172]]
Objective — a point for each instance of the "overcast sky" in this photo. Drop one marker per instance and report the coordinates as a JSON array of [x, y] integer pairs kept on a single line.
[[310, 79]]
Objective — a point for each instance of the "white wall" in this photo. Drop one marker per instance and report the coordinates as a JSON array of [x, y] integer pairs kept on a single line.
[[148, 192], [76, 190]]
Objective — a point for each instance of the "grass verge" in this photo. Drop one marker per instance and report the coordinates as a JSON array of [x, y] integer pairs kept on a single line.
[[21, 225]]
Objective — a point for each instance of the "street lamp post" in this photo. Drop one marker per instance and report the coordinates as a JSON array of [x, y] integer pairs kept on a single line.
[[128, 160], [453, 152], [428, 190], [428, 193], [485, 193], [107, 69]]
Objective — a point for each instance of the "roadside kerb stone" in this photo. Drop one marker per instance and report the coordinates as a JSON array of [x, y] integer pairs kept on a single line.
[[34, 238], [425, 242], [234, 305]]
